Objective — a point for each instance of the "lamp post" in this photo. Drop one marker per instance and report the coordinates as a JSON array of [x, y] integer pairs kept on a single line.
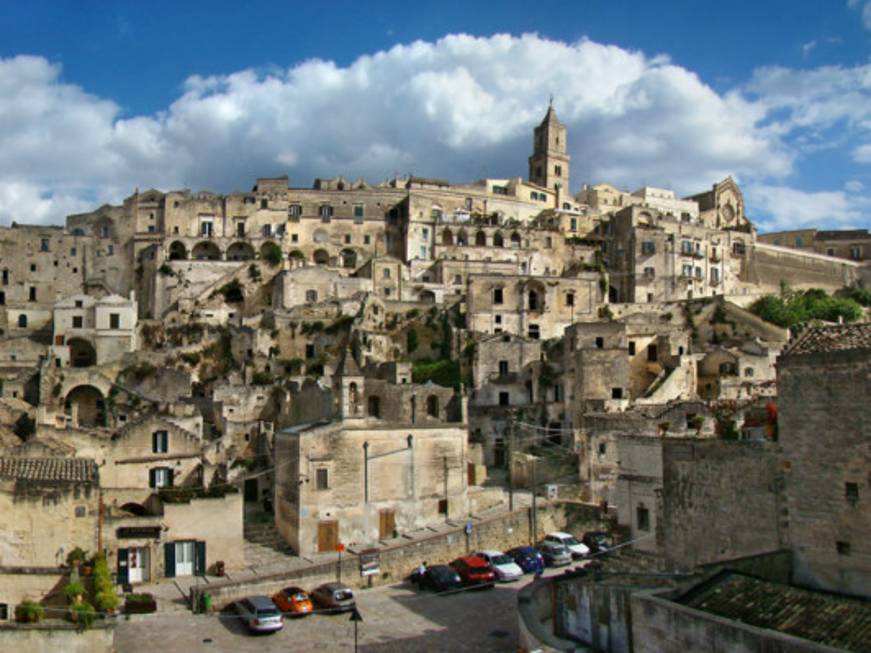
[[356, 618]]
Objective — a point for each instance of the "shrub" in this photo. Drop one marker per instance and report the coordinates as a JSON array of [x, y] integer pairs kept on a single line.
[[83, 614], [861, 296], [261, 378], [796, 308], [165, 270], [107, 600], [191, 358], [29, 612], [254, 273], [73, 590], [271, 253], [411, 340], [442, 372]]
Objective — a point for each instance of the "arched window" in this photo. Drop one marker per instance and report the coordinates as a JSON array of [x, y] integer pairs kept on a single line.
[[353, 399], [515, 240], [447, 237], [432, 406], [481, 239], [22, 321], [462, 238], [497, 240]]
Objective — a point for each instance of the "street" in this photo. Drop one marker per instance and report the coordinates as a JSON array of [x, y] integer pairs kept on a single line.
[[395, 618]]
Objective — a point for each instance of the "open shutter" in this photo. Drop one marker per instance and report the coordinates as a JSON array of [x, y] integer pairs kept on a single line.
[[123, 576], [200, 561], [152, 480], [169, 555]]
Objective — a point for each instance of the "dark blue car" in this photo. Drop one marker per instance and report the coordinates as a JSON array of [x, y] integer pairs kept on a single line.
[[528, 559]]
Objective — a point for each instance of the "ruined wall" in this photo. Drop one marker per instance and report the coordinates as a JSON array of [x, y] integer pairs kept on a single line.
[[720, 500], [769, 266], [825, 436]]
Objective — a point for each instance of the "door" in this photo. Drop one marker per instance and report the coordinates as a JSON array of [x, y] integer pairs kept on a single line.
[[386, 524], [138, 565], [122, 576], [328, 536], [184, 558], [251, 490]]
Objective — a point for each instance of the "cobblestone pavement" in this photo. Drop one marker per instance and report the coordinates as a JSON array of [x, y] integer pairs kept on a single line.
[[395, 618]]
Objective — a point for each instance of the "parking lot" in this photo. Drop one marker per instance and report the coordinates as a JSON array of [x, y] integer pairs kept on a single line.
[[395, 618]]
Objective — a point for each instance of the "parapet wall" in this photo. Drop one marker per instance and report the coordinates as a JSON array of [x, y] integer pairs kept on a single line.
[[768, 266]]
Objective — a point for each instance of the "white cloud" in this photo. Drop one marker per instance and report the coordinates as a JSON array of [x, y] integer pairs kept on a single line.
[[862, 153], [807, 48], [866, 11], [461, 108], [782, 207]]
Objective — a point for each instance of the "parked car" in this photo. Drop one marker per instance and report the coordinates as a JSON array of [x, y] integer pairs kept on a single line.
[[260, 614], [438, 578], [598, 541], [555, 555], [334, 597], [577, 549], [474, 571], [294, 601], [527, 558], [504, 567]]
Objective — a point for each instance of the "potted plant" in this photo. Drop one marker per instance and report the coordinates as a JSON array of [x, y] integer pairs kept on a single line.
[[76, 557], [139, 604], [29, 612], [83, 615], [74, 591], [107, 601]]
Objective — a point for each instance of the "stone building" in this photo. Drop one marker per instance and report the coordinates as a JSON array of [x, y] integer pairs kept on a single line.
[[824, 436], [93, 331], [851, 244]]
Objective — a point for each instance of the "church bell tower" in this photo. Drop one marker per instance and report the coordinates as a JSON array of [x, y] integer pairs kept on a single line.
[[549, 163]]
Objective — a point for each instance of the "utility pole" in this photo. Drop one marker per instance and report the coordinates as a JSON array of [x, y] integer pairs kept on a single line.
[[534, 509], [511, 461], [447, 507]]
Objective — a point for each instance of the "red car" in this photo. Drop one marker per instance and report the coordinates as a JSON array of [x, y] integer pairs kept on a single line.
[[474, 571]]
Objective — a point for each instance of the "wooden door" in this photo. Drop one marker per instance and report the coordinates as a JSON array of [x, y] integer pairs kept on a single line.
[[328, 536], [386, 524]]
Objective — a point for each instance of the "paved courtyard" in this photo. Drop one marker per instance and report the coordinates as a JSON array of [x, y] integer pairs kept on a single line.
[[395, 618]]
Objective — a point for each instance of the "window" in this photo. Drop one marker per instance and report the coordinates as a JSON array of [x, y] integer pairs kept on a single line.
[[548, 243], [642, 518], [386, 273], [347, 239], [503, 368], [104, 231], [830, 251], [266, 230], [366, 240], [264, 204], [326, 212], [687, 271], [570, 299], [310, 351], [600, 342], [458, 279], [77, 321], [748, 371], [5, 277], [616, 393], [423, 251], [32, 294], [843, 548], [359, 214], [504, 399], [534, 332], [294, 238], [322, 479], [686, 247], [557, 392], [652, 355], [2, 298], [160, 477], [22, 321], [856, 253], [110, 249], [573, 224], [648, 247], [374, 405], [650, 273], [497, 319], [443, 506], [311, 296], [114, 320], [631, 347], [294, 211], [424, 233], [558, 170], [851, 493], [798, 241], [715, 275], [603, 448], [33, 267], [206, 228], [159, 442], [699, 274], [497, 295]]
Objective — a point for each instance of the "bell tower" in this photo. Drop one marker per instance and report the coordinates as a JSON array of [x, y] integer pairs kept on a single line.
[[549, 163]]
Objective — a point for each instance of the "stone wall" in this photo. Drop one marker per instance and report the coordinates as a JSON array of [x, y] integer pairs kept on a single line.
[[55, 637], [769, 266], [720, 500], [436, 546], [825, 436]]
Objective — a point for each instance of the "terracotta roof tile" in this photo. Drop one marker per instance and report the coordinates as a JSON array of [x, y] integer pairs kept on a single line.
[[841, 337], [56, 470]]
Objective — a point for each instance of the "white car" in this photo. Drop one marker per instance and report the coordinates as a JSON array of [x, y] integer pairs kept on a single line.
[[504, 567], [577, 548]]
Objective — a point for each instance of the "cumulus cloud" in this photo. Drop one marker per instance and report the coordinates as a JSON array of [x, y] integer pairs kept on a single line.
[[782, 207], [866, 11], [461, 107]]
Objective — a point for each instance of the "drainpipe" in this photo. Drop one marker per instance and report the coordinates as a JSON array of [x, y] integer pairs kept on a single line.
[[366, 472]]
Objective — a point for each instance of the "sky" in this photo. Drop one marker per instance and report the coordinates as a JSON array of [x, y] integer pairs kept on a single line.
[[98, 99]]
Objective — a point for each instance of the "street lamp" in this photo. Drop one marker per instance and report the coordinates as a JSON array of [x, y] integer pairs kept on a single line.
[[356, 618]]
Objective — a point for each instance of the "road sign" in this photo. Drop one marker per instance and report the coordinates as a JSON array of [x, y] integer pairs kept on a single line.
[[340, 547]]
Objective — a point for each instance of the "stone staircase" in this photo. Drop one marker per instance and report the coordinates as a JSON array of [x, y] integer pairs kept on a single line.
[[264, 546]]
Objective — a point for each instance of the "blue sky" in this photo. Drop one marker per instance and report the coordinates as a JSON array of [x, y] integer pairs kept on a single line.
[[97, 100]]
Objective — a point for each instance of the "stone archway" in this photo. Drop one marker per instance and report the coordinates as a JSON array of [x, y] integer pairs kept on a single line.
[[349, 258], [206, 251], [240, 251], [321, 257], [177, 251], [86, 405]]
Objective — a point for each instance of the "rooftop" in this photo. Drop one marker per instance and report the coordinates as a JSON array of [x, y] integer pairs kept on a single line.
[[841, 337], [55, 470], [820, 617]]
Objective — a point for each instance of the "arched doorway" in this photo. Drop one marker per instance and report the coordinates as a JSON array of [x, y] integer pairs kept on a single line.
[[321, 257], [206, 251], [447, 237], [480, 239], [85, 404], [177, 251], [515, 240], [82, 353], [427, 297], [497, 240], [240, 252], [462, 238]]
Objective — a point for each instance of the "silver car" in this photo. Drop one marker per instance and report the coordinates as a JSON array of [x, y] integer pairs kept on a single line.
[[260, 614], [555, 555]]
